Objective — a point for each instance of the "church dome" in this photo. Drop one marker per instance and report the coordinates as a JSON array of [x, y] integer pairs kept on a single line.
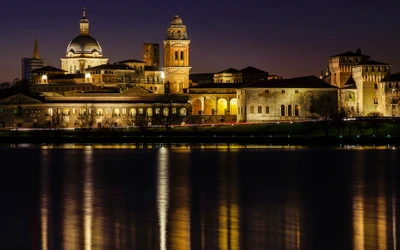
[[84, 45]]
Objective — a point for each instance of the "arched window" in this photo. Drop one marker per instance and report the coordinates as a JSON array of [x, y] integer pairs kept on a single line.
[[350, 95], [182, 111], [289, 109], [283, 113], [182, 55], [296, 110], [50, 112], [149, 112], [19, 110], [100, 112], [165, 111], [176, 55], [132, 112]]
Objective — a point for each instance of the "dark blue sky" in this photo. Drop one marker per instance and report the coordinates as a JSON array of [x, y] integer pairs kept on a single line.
[[287, 38]]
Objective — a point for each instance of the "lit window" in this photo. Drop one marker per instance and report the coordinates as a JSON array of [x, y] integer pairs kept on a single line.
[[124, 111], [140, 111], [157, 111]]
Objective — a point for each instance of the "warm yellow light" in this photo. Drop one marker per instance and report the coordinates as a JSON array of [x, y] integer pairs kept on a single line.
[[87, 75], [44, 77]]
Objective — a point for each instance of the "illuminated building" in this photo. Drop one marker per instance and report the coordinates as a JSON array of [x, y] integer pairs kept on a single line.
[[83, 51], [176, 57]]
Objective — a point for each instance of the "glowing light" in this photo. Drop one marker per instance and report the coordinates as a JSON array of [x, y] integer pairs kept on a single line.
[[88, 199], [162, 196]]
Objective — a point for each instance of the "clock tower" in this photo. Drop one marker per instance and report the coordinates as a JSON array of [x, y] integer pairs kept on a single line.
[[176, 57]]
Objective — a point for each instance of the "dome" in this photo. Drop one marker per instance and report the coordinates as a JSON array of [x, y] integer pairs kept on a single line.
[[84, 45], [176, 20]]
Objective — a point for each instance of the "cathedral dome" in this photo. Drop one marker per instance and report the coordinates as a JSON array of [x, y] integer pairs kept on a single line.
[[84, 45]]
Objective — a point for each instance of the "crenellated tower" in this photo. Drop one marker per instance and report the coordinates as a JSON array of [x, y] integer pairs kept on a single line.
[[176, 57]]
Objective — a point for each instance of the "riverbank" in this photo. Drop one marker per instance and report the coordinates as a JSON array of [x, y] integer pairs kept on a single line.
[[273, 133]]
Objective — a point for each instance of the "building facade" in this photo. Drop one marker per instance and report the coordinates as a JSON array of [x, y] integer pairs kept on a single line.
[[29, 64], [84, 51], [176, 57]]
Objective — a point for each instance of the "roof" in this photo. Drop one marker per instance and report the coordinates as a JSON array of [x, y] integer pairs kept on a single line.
[[48, 69], [350, 84], [252, 70], [68, 76], [150, 68], [111, 66], [349, 53], [392, 78], [371, 62], [230, 70], [131, 61], [218, 85], [298, 82]]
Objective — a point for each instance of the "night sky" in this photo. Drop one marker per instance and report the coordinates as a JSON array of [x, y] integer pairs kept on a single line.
[[287, 38]]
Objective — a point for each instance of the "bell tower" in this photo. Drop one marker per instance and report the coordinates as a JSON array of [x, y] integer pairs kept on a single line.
[[176, 57], [84, 24]]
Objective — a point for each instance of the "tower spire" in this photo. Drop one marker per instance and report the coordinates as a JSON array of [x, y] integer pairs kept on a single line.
[[84, 24], [35, 50]]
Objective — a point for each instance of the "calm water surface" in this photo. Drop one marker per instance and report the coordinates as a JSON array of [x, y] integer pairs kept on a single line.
[[211, 198]]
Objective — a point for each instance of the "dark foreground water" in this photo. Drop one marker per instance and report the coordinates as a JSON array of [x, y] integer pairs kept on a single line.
[[211, 198]]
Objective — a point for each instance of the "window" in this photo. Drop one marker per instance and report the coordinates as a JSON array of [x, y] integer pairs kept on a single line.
[[267, 109], [165, 111], [157, 111], [251, 109], [182, 111], [283, 91], [149, 112], [296, 91], [289, 110], [181, 55], [124, 111], [132, 112], [375, 86], [296, 110], [1, 110], [375, 100], [283, 113], [140, 111], [176, 55], [266, 91], [73, 110]]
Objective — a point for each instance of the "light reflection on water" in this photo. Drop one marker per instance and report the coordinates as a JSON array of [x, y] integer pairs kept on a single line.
[[201, 197]]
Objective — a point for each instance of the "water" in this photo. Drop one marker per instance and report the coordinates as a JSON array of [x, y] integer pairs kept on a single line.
[[214, 197]]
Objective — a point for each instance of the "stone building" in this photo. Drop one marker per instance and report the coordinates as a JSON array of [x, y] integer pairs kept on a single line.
[[151, 54], [133, 107], [283, 99], [176, 57], [363, 84]]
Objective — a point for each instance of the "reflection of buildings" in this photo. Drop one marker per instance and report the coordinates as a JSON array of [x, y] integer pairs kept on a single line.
[[374, 213]]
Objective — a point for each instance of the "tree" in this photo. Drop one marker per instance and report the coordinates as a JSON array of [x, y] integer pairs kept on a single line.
[[326, 106], [87, 116], [58, 121]]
